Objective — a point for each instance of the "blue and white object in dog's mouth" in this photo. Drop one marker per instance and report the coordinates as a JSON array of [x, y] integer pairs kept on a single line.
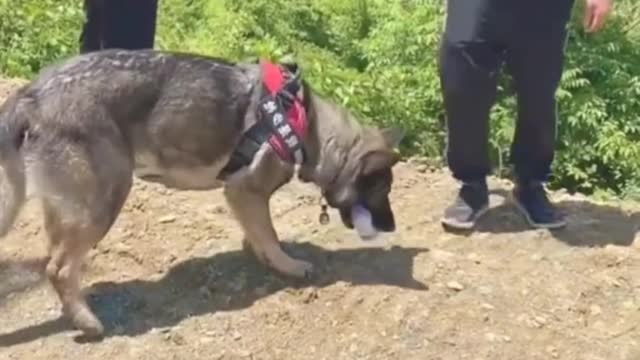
[[363, 223]]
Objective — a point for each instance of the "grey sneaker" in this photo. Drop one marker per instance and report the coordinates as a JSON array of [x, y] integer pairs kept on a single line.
[[470, 204]]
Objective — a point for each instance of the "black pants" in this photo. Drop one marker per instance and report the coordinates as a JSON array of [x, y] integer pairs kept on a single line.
[[124, 24], [480, 36]]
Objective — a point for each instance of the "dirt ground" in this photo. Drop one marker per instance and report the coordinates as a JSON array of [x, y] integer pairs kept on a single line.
[[171, 282]]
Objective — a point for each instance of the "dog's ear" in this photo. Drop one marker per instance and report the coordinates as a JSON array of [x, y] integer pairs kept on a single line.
[[378, 160], [392, 136]]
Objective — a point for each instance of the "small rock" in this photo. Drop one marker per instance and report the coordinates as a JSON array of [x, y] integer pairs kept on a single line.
[[118, 330], [552, 351], [491, 337], [237, 336], [167, 219], [239, 284], [629, 304], [176, 338], [261, 291], [205, 292], [454, 285], [539, 321], [205, 340], [310, 295], [441, 255], [506, 338], [485, 290], [474, 257], [599, 325], [536, 257], [616, 282], [595, 310], [220, 356], [487, 306], [211, 333], [219, 209], [121, 248]]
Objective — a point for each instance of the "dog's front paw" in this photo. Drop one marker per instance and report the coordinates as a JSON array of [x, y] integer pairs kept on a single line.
[[289, 266], [84, 320], [299, 269], [278, 260]]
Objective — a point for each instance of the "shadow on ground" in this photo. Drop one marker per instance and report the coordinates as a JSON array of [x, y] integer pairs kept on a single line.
[[225, 282], [589, 224]]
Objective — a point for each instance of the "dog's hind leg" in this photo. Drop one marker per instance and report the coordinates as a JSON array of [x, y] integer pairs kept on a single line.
[[68, 246], [83, 193]]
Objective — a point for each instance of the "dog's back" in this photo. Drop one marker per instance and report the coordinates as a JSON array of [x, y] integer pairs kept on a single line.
[[179, 115], [79, 130], [130, 84]]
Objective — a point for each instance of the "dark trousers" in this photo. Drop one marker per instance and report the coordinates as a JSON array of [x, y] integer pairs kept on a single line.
[[480, 36], [124, 24]]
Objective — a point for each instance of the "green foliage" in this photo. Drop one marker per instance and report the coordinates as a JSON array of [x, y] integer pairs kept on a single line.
[[379, 58], [599, 131], [34, 33]]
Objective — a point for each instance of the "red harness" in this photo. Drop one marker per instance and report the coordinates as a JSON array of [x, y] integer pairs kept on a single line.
[[289, 131], [282, 120]]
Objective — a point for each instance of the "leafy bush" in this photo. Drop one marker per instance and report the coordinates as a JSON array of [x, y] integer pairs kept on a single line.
[[34, 33], [599, 131], [379, 58]]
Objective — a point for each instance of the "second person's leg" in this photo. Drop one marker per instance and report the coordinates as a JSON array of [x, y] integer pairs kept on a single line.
[[470, 60], [91, 35], [536, 62]]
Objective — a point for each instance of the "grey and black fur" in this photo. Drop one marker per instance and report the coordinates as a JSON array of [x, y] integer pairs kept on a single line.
[[74, 136]]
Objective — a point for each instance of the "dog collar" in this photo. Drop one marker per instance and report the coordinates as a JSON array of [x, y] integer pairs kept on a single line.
[[282, 119]]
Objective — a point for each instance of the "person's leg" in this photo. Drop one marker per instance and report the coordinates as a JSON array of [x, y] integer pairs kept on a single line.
[[91, 35], [470, 60], [130, 24], [535, 61], [147, 13], [123, 24]]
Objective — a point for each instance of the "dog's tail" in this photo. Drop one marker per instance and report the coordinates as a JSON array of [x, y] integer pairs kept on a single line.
[[14, 122]]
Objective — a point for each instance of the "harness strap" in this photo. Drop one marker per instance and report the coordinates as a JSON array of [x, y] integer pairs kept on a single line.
[[281, 120]]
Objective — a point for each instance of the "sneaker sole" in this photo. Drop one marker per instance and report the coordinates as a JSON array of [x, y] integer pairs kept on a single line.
[[466, 225], [529, 220]]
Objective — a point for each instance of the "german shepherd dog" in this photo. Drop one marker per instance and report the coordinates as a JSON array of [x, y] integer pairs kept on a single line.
[[77, 133]]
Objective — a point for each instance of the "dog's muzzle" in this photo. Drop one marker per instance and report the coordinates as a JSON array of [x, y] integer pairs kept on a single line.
[[382, 216]]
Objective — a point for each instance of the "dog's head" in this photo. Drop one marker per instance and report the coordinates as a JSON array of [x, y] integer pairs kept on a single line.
[[366, 178]]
